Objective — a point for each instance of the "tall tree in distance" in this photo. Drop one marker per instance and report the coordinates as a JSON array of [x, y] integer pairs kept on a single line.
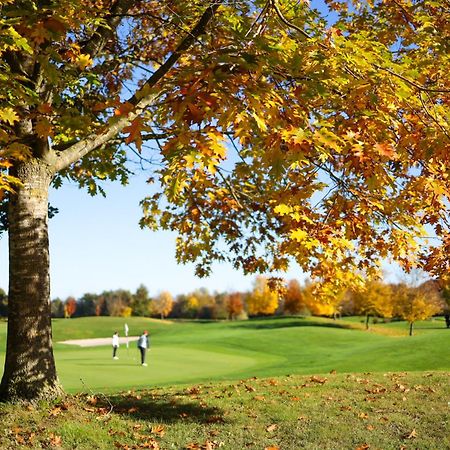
[[374, 299], [140, 301], [163, 304], [234, 305], [293, 298], [414, 304], [262, 299], [70, 306], [336, 137]]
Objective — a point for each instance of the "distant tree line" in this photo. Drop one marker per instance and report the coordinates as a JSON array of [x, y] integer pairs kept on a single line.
[[375, 299]]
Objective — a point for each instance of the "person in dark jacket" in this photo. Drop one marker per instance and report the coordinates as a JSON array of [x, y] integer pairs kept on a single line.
[[143, 345]]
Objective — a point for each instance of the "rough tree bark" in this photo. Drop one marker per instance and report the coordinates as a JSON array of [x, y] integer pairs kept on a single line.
[[30, 372]]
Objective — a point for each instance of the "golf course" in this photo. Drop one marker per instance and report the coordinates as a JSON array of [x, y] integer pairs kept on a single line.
[[277, 383], [185, 352]]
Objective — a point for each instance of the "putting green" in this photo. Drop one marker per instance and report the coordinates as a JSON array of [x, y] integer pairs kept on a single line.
[[94, 368]]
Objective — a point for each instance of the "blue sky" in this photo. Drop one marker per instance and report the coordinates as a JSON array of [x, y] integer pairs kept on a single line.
[[96, 244]]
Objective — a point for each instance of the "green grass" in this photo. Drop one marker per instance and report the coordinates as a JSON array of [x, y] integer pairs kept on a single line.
[[189, 352], [339, 411]]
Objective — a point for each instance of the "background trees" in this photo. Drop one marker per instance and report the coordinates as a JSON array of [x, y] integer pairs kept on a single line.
[[140, 301], [293, 298], [3, 303], [375, 299], [234, 305]]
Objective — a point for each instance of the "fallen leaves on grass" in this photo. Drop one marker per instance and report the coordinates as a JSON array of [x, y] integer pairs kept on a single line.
[[207, 445], [193, 391], [159, 430], [411, 435], [215, 419], [317, 379], [272, 428], [55, 440]]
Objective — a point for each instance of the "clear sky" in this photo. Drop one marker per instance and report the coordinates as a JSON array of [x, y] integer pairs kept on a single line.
[[96, 244]]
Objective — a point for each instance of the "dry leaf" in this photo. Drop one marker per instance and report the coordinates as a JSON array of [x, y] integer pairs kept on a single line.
[[363, 447], [319, 380], [272, 428], [411, 435], [55, 441], [55, 411], [159, 430]]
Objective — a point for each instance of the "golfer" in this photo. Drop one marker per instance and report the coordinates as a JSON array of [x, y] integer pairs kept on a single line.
[[143, 345], [115, 344]]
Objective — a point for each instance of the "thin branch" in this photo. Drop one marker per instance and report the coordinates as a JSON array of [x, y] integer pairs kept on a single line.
[[411, 82]]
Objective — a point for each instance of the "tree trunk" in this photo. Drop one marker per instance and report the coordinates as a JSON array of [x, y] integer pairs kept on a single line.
[[411, 328], [367, 321], [30, 372]]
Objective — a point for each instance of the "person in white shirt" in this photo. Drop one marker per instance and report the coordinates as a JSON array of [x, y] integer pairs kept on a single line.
[[115, 344]]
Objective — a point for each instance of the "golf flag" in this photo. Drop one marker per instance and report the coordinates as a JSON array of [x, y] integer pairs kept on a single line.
[[126, 333]]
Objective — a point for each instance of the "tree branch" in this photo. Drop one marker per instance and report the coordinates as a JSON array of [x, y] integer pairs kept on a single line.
[[138, 100], [100, 37]]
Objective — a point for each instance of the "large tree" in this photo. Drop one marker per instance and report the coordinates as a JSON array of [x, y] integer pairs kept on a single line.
[[279, 134]]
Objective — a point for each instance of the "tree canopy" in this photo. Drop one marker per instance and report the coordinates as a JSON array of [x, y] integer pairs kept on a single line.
[[280, 134], [279, 131]]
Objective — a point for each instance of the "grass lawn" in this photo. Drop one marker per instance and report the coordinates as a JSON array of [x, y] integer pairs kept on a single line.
[[339, 411]]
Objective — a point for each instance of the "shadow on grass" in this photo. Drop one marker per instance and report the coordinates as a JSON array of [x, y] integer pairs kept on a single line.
[[179, 407], [270, 324]]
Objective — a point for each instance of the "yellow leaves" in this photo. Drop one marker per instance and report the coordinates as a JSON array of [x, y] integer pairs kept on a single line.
[[282, 210], [259, 121], [8, 115], [299, 235], [216, 144], [386, 149], [262, 300], [83, 61], [17, 151]]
